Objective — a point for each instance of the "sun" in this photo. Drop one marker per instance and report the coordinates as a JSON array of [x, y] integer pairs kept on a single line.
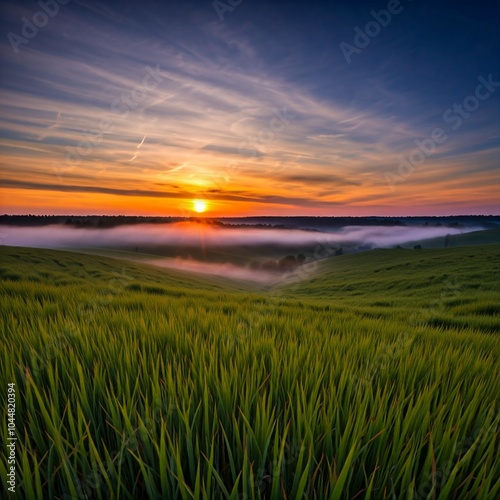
[[199, 206]]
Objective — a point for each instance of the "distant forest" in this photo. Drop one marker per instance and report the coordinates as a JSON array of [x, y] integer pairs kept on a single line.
[[303, 222]]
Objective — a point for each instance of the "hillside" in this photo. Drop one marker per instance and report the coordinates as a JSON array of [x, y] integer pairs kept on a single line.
[[481, 237], [135, 382], [447, 287]]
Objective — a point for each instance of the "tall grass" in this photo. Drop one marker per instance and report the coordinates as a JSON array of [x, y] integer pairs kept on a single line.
[[135, 383]]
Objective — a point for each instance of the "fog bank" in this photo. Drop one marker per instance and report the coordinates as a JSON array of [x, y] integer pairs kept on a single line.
[[197, 234], [226, 270]]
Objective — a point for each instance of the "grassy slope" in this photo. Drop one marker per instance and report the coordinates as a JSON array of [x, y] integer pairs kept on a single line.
[[451, 287], [376, 377], [482, 237], [102, 269]]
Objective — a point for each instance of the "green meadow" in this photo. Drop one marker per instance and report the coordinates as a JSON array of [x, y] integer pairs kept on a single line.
[[373, 375]]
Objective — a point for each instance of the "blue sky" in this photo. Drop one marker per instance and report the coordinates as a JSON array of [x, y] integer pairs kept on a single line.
[[257, 113]]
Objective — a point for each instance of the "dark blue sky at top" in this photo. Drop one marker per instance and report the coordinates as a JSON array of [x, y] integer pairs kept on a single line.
[[430, 54], [433, 51]]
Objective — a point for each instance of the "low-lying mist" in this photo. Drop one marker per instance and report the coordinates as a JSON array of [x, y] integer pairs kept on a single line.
[[173, 244], [226, 270], [192, 234]]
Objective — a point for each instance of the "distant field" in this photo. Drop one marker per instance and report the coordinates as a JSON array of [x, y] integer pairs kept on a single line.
[[456, 287], [373, 375], [482, 237]]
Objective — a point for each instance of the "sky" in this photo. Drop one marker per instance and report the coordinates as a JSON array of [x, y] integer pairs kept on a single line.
[[250, 107]]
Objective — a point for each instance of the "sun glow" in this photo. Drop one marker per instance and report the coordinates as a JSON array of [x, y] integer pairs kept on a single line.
[[199, 206]]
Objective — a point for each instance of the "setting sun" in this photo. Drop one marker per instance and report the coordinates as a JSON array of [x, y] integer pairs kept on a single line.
[[199, 206]]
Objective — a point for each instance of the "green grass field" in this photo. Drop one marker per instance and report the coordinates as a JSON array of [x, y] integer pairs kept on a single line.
[[481, 237], [372, 375]]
